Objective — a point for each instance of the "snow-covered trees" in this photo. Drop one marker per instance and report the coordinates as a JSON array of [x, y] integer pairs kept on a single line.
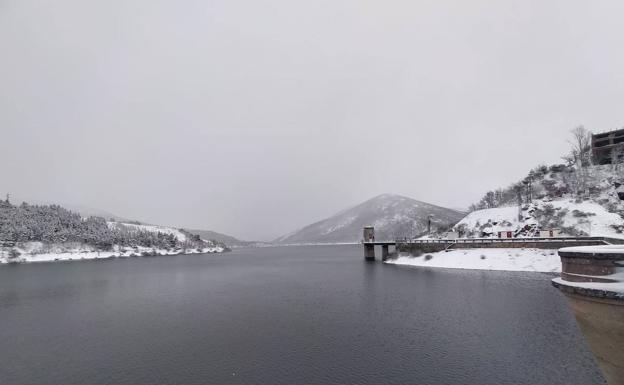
[[54, 224]]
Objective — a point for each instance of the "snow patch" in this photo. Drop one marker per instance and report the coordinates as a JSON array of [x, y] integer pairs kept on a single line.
[[149, 228], [537, 260], [587, 216], [39, 252]]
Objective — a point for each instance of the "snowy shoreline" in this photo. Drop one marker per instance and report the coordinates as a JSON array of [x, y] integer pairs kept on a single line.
[[535, 260], [31, 252]]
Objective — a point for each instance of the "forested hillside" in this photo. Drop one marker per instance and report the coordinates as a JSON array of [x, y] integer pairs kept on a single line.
[[40, 229]]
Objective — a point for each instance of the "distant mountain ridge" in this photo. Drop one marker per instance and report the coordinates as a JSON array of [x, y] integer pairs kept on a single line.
[[223, 238], [204, 234], [391, 215]]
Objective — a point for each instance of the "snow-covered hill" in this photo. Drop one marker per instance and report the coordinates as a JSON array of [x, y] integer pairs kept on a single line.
[[391, 215], [220, 237], [74, 251], [574, 200], [571, 217], [34, 233], [180, 236]]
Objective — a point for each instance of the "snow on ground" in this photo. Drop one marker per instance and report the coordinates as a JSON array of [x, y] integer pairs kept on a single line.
[[150, 228], [498, 215], [597, 225], [346, 222], [38, 252], [538, 260], [587, 216]]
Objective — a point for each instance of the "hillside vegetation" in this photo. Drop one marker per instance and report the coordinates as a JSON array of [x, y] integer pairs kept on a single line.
[[577, 198], [52, 229]]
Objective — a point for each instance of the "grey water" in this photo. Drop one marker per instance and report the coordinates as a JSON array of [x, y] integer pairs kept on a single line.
[[289, 315]]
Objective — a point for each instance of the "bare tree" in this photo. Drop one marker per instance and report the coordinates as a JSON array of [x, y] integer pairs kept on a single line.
[[581, 147], [570, 159], [490, 199]]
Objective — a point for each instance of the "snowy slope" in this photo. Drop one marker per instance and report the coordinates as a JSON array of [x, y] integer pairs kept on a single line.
[[72, 251], [150, 228], [572, 217], [391, 215], [220, 237], [40, 252]]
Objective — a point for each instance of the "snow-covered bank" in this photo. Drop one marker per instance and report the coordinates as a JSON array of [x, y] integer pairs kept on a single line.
[[40, 252], [538, 260]]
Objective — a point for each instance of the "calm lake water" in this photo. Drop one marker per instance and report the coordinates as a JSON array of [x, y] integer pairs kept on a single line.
[[291, 315]]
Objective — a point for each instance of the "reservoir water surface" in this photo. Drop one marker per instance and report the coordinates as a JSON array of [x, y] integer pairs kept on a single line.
[[288, 315]]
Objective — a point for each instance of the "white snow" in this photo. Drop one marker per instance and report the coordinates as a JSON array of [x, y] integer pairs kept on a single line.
[[38, 252], [595, 220], [603, 249], [499, 214], [597, 225], [345, 222], [150, 228], [538, 260]]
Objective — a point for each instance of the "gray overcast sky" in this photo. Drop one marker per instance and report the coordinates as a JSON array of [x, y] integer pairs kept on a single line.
[[256, 117]]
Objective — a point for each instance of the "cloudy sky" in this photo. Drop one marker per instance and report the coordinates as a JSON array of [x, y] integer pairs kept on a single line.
[[256, 117]]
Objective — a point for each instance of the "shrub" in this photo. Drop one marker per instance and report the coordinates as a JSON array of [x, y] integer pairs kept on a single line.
[[581, 214], [428, 257]]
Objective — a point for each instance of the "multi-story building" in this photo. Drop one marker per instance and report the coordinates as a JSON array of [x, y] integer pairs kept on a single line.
[[607, 145]]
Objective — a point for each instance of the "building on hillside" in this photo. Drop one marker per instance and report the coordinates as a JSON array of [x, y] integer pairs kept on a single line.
[[549, 233], [607, 145], [505, 234]]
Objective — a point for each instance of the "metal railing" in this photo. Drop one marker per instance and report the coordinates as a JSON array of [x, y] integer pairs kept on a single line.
[[503, 240], [460, 241]]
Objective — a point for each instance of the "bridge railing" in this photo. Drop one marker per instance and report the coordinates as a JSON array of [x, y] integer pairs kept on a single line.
[[507, 240]]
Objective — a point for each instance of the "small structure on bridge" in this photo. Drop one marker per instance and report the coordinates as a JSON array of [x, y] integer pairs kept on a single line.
[[369, 234], [369, 245]]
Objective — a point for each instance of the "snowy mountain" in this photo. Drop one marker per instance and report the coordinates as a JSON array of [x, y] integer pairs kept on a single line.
[[86, 212], [219, 237], [391, 215]]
